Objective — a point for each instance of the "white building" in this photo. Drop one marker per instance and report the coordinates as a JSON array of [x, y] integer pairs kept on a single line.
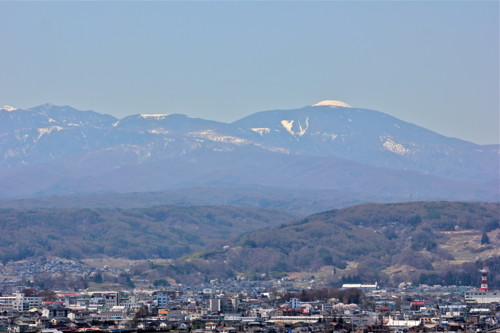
[[483, 297], [296, 319], [402, 323], [7, 303], [20, 302], [365, 287]]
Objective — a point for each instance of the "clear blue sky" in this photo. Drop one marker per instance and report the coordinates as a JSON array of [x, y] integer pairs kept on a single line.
[[435, 64]]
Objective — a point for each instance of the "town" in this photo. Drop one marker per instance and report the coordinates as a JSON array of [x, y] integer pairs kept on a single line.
[[239, 305]]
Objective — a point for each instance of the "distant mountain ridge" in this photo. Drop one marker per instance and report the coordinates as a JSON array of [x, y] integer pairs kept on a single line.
[[57, 150], [373, 138]]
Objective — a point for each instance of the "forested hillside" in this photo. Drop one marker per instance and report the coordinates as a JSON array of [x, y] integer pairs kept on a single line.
[[300, 201], [373, 242], [157, 232], [422, 242]]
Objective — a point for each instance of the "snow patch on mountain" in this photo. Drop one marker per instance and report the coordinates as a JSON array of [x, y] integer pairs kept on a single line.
[[330, 136], [159, 130], [288, 126], [333, 104], [216, 137], [302, 130], [275, 149], [8, 108], [394, 147], [154, 116], [48, 130], [261, 131]]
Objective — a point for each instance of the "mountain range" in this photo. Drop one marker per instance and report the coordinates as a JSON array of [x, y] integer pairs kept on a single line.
[[53, 150]]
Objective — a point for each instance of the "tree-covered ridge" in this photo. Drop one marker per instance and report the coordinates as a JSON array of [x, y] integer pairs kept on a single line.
[[379, 240], [157, 232], [424, 242], [300, 201]]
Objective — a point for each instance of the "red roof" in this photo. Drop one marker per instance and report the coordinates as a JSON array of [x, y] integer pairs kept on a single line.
[[384, 308], [417, 303]]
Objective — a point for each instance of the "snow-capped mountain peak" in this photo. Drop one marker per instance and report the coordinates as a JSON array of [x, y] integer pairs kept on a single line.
[[8, 108], [333, 104]]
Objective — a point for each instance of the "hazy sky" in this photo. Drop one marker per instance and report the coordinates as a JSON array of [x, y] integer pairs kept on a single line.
[[435, 64]]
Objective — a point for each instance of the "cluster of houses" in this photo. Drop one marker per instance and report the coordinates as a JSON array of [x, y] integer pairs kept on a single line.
[[26, 268], [203, 310]]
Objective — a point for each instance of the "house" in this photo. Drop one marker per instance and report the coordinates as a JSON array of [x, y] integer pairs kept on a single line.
[[415, 306], [56, 310]]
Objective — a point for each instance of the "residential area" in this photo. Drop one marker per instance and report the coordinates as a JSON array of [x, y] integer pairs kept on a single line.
[[232, 306]]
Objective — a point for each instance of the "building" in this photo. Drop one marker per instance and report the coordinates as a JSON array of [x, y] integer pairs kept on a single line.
[[7, 303], [364, 287], [20, 302], [294, 303], [224, 305], [161, 299], [56, 311], [483, 295]]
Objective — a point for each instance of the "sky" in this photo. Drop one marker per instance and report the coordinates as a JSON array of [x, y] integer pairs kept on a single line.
[[431, 63]]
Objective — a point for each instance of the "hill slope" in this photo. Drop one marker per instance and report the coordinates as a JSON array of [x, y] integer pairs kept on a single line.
[[423, 242], [157, 232], [378, 242]]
